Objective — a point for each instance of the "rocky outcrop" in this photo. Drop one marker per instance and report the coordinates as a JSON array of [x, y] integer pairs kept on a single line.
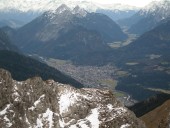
[[35, 103]]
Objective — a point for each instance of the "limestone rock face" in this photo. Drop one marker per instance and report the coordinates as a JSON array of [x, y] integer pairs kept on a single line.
[[35, 103]]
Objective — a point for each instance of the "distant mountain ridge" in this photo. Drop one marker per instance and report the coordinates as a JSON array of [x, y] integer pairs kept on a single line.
[[67, 34], [148, 17], [41, 6], [11, 23], [117, 15], [16, 18], [27, 10]]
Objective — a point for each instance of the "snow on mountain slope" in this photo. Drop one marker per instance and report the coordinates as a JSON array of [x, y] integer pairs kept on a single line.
[[44, 5], [160, 9], [149, 17], [27, 10], [37, 104]]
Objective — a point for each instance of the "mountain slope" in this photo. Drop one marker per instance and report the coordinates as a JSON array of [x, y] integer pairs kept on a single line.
[[5, 43], [63, 31], [155, 41], [37, 103], [147, 60], [159, 117], [144, 107], [151, 17], [11, 23], [108, 29], [22, 68]]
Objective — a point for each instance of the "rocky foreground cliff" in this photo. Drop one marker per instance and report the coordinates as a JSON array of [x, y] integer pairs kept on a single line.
[[35, 103]]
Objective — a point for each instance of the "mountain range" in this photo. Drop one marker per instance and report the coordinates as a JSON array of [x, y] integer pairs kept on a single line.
[[27, 10], [117, 15], [82, 35], [11, 23], [67, 33], [16, 18], [148, 17], [41, 6]]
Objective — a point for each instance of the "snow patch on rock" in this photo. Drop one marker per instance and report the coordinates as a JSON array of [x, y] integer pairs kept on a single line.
[[125, 126], [4, 111], [36, 103], [66, 100]]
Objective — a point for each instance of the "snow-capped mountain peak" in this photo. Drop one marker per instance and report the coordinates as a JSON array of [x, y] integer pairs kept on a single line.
[[62, 8], [79, 11], [29, 9], [65, 12], [157, 8], [44, 5]]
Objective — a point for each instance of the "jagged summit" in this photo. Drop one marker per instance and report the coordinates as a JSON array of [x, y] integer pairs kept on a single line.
[[68, 35], [157, 8], [150, 17], [45, 5], [79, 11], [37, 104], [65, 12], [62, 8], [27, 10]]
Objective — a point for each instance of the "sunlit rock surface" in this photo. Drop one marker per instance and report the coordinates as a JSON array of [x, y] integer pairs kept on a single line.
[[47, 104]]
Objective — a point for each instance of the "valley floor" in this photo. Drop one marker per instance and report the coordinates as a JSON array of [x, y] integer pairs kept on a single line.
[[94, 77]]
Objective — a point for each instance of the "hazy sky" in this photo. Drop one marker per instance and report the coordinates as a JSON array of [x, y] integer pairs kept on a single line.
[[138, 3]]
